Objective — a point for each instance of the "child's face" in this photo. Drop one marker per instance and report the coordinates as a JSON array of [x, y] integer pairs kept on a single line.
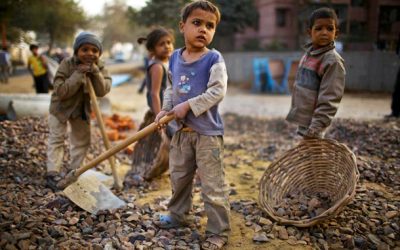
[[199, 28], [35, 51], [88, 53], [163, 48], [323, 32]]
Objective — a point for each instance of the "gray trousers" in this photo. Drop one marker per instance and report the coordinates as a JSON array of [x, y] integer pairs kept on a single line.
[[4, 73], [79, 143], [190, 151], [301, 130]]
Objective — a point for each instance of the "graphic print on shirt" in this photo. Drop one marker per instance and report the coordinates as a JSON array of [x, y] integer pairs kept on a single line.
[[184, 84]]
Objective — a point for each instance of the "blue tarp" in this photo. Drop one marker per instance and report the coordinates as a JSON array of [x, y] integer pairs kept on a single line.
[[119, 79]]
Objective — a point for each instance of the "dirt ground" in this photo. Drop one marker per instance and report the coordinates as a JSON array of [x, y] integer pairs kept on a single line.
[[125, 100]]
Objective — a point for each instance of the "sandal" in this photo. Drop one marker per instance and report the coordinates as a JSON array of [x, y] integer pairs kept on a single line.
[[52, 179], [214, 242], [167, 222]]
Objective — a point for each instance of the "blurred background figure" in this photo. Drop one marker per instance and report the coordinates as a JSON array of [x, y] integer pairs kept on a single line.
[[122, 52], [396, 92], [5, 65], [58, 55], [37, 65], [146, 60]]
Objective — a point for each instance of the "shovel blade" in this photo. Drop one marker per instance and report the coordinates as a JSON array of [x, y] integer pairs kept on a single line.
[[107, 180], [121, 169], [92, 195]]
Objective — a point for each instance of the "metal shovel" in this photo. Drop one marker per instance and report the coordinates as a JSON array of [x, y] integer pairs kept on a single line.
[[91, 195]]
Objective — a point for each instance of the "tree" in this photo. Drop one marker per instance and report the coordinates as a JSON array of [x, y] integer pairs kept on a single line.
[[9, 22], [236, 15], [162, 13], [58, 19], [119, 23]]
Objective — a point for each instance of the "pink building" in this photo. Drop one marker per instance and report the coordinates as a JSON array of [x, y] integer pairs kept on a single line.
[[363, 24]]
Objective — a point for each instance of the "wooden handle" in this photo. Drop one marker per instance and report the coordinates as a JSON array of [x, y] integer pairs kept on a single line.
[[100, 121], [125, 143]]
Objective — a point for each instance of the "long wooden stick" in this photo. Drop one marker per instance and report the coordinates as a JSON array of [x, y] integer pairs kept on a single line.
[[74, 174], [99, 117]]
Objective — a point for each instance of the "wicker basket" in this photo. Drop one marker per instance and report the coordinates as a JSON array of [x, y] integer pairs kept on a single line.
[[311, 167]]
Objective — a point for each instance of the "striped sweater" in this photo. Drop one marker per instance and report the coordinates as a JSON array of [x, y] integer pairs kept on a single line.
[[318, 90]]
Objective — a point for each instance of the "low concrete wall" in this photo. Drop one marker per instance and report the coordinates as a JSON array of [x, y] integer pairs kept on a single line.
[[366, 71]]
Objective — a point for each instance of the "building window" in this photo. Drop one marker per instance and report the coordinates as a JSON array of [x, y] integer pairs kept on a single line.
[[281, 17], [358, 3], [388, 15], [358, 32]]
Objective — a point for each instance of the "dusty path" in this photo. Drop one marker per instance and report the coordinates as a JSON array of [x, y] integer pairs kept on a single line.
[[353, 106], [126, 100]]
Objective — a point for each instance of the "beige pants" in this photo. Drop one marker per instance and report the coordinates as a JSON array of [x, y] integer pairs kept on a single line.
[[79, 143], [190, 151]]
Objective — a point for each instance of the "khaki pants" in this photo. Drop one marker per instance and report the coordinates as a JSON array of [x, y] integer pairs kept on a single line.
[[79, 143], [190, 151]]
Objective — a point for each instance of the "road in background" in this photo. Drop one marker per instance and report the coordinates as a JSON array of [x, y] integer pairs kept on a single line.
[[126, 100]]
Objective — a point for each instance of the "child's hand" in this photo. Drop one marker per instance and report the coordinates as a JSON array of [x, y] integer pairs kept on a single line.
[[181, 110], [306, 137], [312, 134], [94, 69], [158, 118], [84, 68]]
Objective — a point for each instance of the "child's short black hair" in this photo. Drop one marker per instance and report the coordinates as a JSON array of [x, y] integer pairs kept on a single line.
[[199, 4], [33, 46], [324, 12], [154, 36]]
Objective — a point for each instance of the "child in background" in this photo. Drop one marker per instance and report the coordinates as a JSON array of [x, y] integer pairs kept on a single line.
[[146, 60], [396, 92], [5, 65], [160, 45], [37, 66], [145, 162], [199, 83], [320, 79], [70, 103]]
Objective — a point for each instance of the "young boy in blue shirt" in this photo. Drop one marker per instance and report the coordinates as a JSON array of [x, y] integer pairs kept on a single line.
[[199, 82]]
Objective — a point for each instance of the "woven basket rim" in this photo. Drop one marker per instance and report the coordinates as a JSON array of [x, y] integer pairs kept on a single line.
[[330, 212]]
